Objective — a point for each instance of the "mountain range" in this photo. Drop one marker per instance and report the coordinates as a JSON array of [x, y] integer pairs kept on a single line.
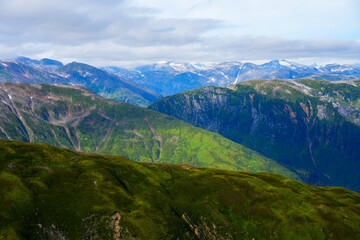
[[53, 193], [206, 160], [25, 70], [171, 78], [312, 127], [146, 84]]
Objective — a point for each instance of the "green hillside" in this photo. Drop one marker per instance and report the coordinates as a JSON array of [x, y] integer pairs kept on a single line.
[[76, 118], [52, 193]]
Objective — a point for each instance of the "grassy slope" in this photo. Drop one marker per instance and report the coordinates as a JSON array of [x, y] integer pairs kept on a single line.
[[51, 192], [76, 118]]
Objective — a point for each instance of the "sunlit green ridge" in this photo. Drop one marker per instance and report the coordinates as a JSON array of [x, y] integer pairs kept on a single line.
[[52, 193]]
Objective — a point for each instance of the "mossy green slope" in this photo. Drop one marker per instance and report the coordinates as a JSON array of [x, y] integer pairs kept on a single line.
[[310, 126], [53, 193], [76, 118]]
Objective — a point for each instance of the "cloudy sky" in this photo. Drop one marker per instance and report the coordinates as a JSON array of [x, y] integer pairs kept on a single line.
[[125, 32]]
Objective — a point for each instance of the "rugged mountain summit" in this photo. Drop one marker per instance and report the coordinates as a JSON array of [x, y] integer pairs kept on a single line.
[[26, 70], [76, 118], [310, 126], [52, 193], [43, 64], [106, 84], [12, 71], [170, 78]]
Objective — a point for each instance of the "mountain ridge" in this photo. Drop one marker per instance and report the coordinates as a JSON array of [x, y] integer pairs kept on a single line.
[[181, 77], [77, 118], [309, 126], [97, 80]]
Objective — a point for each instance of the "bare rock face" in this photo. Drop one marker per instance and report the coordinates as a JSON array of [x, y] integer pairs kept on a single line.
[[310, 126]]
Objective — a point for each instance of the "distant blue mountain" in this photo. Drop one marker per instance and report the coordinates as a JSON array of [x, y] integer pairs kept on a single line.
[[171, 77], [43, 64], [48, 71]]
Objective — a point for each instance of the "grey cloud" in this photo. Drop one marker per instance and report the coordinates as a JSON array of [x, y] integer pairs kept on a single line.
[[173, 32], [209, 50], [107, 53], [78, 22], [269, 48]]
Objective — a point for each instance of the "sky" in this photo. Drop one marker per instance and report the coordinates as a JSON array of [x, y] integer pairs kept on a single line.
[[136, 32]]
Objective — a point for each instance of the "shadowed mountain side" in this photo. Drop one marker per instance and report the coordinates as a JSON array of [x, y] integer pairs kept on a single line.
[[310, 126]]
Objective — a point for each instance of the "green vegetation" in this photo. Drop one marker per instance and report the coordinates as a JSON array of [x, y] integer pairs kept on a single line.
[[310, 126], [76, 118], [52, 193], [125, 95]]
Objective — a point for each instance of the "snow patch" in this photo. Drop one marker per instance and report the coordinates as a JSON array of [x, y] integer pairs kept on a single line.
[[27, 75], [64, 75], [284, 63], [94, 80], [237, 78], [224, 75], [9, 96], [341, 69], [181, 67], [87, 74], [4, 102]]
